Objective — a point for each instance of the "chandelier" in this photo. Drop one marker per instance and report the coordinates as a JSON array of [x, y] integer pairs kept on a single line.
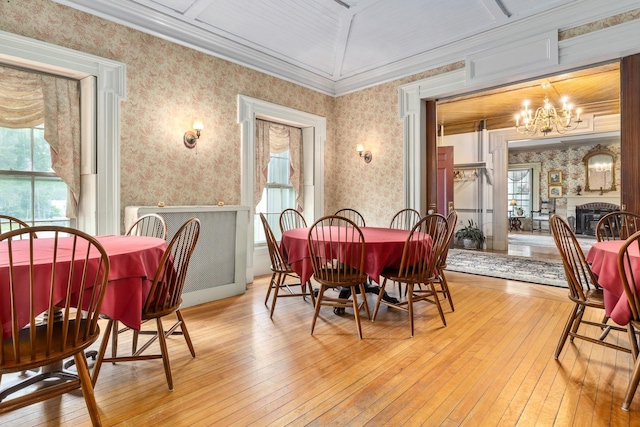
[[547, 118]]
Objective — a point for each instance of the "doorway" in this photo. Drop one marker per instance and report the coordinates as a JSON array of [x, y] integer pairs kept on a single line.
[[492, 110]]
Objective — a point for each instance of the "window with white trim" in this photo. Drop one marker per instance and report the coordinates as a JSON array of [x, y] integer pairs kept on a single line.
[[29, 188], [278, 195]]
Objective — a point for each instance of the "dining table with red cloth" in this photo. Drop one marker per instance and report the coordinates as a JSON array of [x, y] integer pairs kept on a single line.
[[383, 249], [133, 263], [603, 257]]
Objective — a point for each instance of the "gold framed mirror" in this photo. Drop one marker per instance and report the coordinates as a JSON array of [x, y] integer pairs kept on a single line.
[[600, 170]]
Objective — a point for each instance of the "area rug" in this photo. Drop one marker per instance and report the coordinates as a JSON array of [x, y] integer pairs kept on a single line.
[[546, 240], [522, 269]]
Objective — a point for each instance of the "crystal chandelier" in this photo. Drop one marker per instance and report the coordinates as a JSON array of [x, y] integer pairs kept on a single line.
[[547, 118]]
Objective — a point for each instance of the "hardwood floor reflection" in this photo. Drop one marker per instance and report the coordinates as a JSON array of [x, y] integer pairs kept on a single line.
[[491, 365], [544, 248]]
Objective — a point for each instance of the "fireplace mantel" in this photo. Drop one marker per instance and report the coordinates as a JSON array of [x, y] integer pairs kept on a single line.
[[573, 201]]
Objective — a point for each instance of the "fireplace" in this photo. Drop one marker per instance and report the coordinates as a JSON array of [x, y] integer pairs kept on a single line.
[[588, 215]]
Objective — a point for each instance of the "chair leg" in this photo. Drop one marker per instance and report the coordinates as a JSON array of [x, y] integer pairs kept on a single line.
[[633, 386], [565, 331], [364, 300], [577, 320], [437, 301], [277, 281], [185, 333], [445, 288], [87, 388], [633, 340], [134, 341], [308, 288], [165, 353], [269, 288], [101, 352], [356, 309], [317, 309], [410, 305], [380, 294], [114, 340]]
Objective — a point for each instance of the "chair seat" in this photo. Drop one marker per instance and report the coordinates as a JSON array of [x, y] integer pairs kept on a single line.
[[10, 364], [595, 297], [342, 280], [394, 275]]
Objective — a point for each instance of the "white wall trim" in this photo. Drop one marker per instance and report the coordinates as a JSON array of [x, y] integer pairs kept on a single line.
[[250, 108], [111, 82]]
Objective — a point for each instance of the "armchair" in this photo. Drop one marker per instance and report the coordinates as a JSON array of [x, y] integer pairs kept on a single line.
[[544, 214]]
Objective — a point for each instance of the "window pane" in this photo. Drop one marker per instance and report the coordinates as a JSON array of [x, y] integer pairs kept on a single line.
[[15, 197], [274, 200], [279, 168], [41, 152], [15, 145], [50, 201], [276, 197]]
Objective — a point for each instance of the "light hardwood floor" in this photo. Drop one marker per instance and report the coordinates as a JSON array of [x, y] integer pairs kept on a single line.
[[492, 365]]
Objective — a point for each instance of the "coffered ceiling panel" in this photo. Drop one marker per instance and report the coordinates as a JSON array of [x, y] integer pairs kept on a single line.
[[384, 33]]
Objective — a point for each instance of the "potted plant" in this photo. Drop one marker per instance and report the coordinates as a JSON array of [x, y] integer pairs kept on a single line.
[[471, 235]]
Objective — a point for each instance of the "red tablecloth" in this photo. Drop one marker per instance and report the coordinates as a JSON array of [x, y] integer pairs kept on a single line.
[[603, 257], [383, 248], [133, 264]]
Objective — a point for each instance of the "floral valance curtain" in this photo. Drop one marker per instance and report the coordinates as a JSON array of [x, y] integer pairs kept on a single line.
[[276, 138], [29, 99]]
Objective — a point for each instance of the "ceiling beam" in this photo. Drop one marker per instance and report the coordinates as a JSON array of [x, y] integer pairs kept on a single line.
[[497, 9], [346, 18]]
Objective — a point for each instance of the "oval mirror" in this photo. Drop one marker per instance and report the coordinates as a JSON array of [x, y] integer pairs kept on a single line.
[[600, 167]]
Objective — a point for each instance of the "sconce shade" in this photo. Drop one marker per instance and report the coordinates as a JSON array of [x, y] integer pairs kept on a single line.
[[190, 137], [366, 154]]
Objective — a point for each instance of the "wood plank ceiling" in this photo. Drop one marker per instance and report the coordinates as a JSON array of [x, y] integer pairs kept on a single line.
[[594, 90]]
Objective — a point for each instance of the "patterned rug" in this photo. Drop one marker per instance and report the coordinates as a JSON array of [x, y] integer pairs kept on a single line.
[[522, 269]]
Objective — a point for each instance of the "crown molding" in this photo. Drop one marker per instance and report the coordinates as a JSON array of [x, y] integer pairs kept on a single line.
[[172, 29], [168, 28]]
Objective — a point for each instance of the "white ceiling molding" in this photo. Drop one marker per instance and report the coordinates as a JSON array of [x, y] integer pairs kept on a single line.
[[341, 47]]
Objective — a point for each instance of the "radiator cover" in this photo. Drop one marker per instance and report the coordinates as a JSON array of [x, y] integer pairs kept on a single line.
[[218, 265]]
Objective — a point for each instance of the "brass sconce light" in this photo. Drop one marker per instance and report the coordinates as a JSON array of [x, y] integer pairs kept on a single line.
[[191, 136], [366, 154]]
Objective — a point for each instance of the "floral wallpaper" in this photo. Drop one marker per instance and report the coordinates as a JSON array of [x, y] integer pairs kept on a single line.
[[569, 162], [370, 117], [170, 86]]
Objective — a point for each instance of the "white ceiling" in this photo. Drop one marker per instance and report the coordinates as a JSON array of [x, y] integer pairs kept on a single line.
[[333, 46]]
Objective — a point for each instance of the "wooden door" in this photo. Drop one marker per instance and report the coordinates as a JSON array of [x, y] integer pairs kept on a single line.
[[445, 180], [630, 133]]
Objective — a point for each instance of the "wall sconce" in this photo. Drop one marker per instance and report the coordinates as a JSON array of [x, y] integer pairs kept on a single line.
[[366, 154], [190, 137]]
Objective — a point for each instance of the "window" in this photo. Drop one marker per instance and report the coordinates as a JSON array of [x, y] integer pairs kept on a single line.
[[29, 189], [278, 195], [519, 190]]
